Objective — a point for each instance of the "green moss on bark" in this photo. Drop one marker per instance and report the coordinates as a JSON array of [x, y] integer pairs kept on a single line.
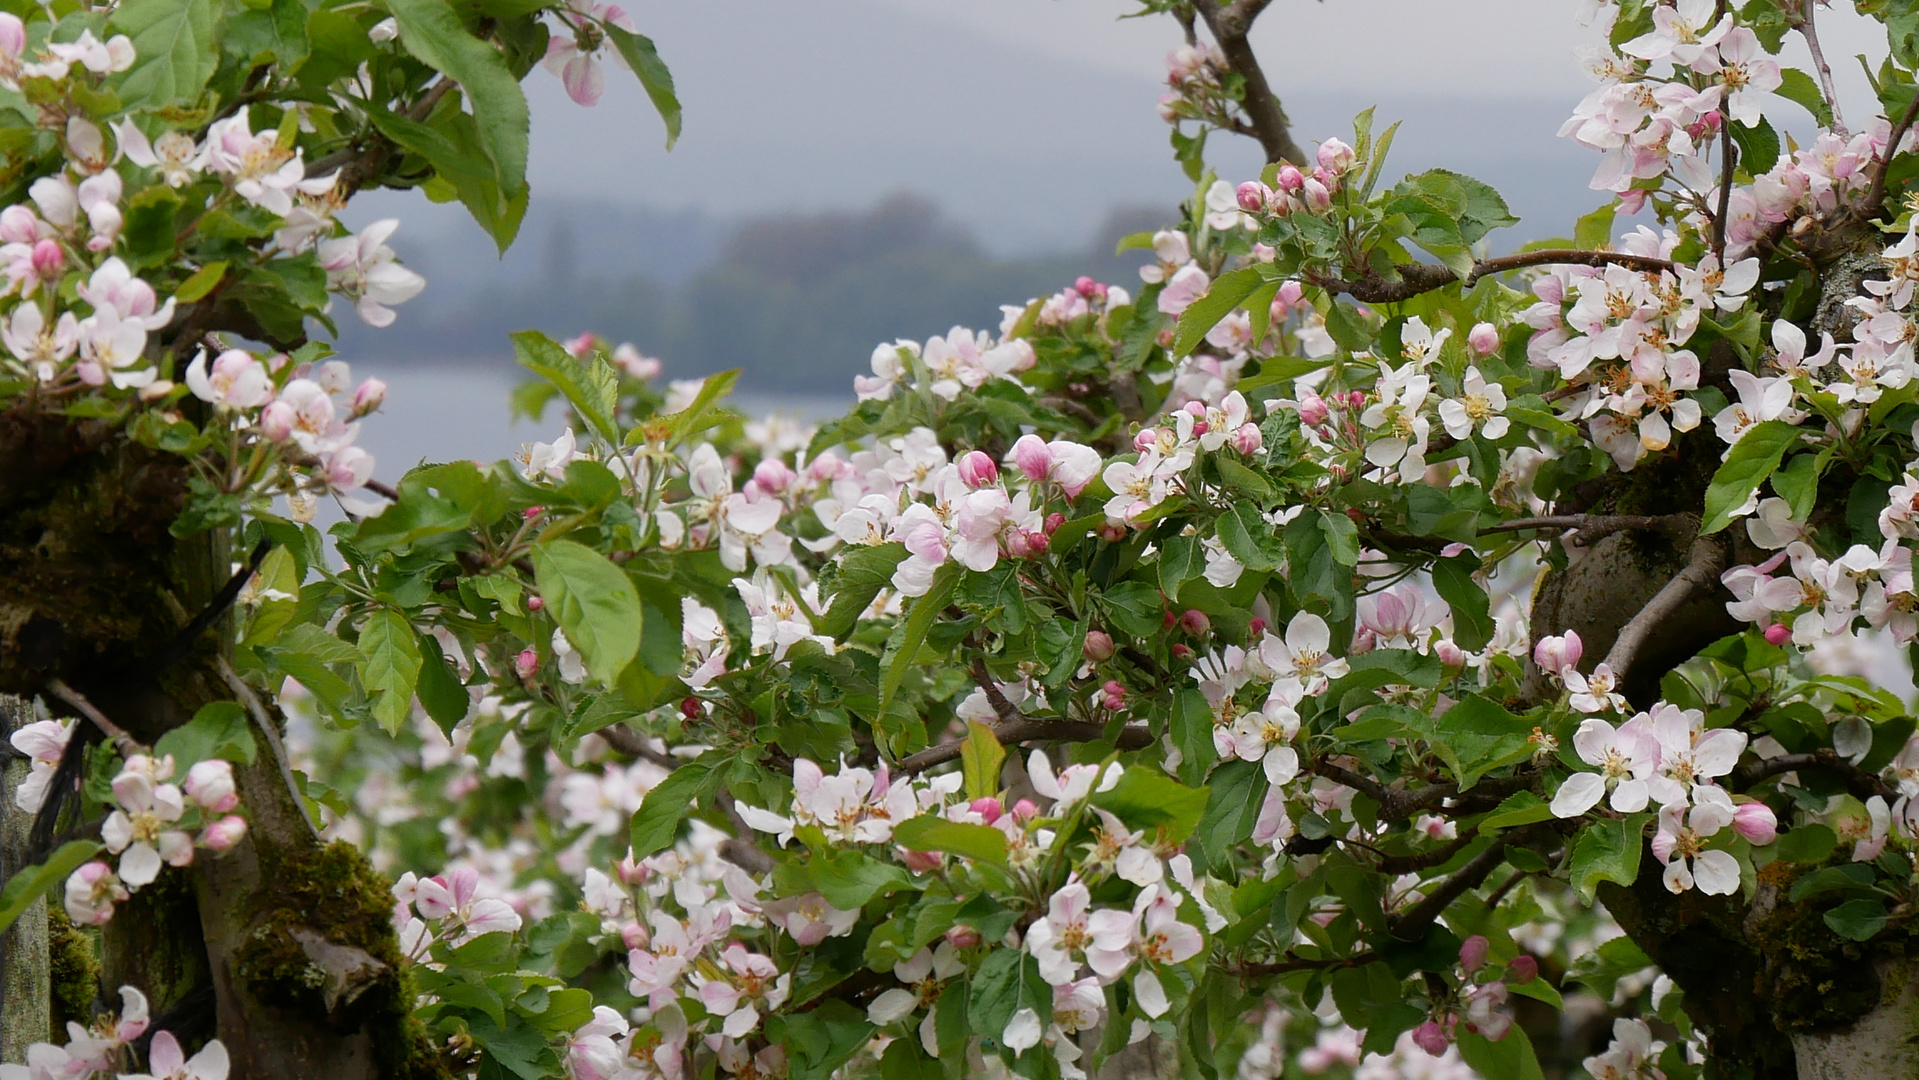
[[74, 970], [336, 894]]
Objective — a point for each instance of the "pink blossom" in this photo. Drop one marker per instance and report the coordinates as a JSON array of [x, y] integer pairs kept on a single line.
[[222, 835], [574, 57], [210, 784]]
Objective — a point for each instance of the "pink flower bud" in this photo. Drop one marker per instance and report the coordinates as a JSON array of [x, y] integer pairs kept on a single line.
[[1522, 970], [1290, 178], [1365, 640], [1088, 288], [692, 708], [1112, 696], [532, 512], [1335, 156], [1145, 439], [773, 476], [1025, 810], [1195, 622], [978, 470], [987, 807], [536, 603], [276, 421], [1291, 293], [1248, 439], [223, 834], [1252, 196], [1031, 457], [1778, 634], [1449, 653], [962, 937], [1556, 654], [1098, 647], [1431, 1038], [368, 396], [1755, 822], [582, 347], [1181, 653], [1318, 198], [1483, 339], [1472, 953], [1112, 532], [48, 259], [1265, 253], [1053, 521], [526, 663], [1313, 410], [210, 783], [635, 936], [1256, 627], [920, 862], [631, 872]]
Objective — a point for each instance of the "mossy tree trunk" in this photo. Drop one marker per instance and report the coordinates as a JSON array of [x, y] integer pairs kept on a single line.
[[283, 947]]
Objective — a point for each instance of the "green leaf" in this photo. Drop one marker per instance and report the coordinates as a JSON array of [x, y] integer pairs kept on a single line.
[[1477, 736], [451, 144], [1236, 791], [273, 32], [1602, 968], [594, 602], [201, 283], [1204, 313], [1595, 229], [1247, 536], [981, 843], [864, 571], [1806, 844], [640, 55], [1511, 1058], [1522, 809], [819, 1041], [847, 879], [1607, 850], [1342, 537], [219, 730], [1850, 878], [1758, 147], [432, 31], [1858, 920], [391, 668], [1752, 459], [1798, 484], [544, 357], [981, 756], [1005, 982], [658, 819], [439, 686], [1797, 87], [1470, 603], [1181, 559], [1149, 800], [926, 609], [29, 883], [173, 41]]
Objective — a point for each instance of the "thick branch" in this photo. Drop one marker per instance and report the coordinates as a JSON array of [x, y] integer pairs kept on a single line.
[[1700, 574], [1417, 278], [1414, 922], [1229, 24], [1300, 963], [270, 732], [1426, 860]]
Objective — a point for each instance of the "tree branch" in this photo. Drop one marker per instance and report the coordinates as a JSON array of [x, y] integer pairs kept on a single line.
[[264, 721], [1806, 30], [1727, 159], [1028, 729], [126, 743], [1414, 923], [1700, 574], [1425, 860], [1861, 783], [1592, 528], [1229, 24], [1299, 963], [1875, 199], [1417, 278]]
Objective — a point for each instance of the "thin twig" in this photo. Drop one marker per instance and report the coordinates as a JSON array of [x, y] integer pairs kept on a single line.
[[627, 741], [268, 730], [1417, 278], [1826, 87], [1414, 922], [1024, 730], [1591, 528], [1299, 963], [1875, 199], [1700, 574], [1425, 860], [1727, 160], [740, 851], [127, 744]]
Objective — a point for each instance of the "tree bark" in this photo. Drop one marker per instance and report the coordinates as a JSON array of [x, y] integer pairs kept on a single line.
[[26, 985], [1879, 1044], [282, 947]]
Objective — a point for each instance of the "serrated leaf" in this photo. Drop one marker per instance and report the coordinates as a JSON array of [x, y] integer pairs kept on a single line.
[[544, 357], [1799, 88], [863, 571], [1752, 459], [433, 32], [593, 601], [220, 729], [981, 757], [918, 621], [1226, 293], [657, 821], [201, 283], [390, 667], [1470, 604], [1607, 850], [173, 42], [641, 56]]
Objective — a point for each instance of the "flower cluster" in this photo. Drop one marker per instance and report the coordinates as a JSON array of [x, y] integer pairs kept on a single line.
[[106, 1050], [152, 825]]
